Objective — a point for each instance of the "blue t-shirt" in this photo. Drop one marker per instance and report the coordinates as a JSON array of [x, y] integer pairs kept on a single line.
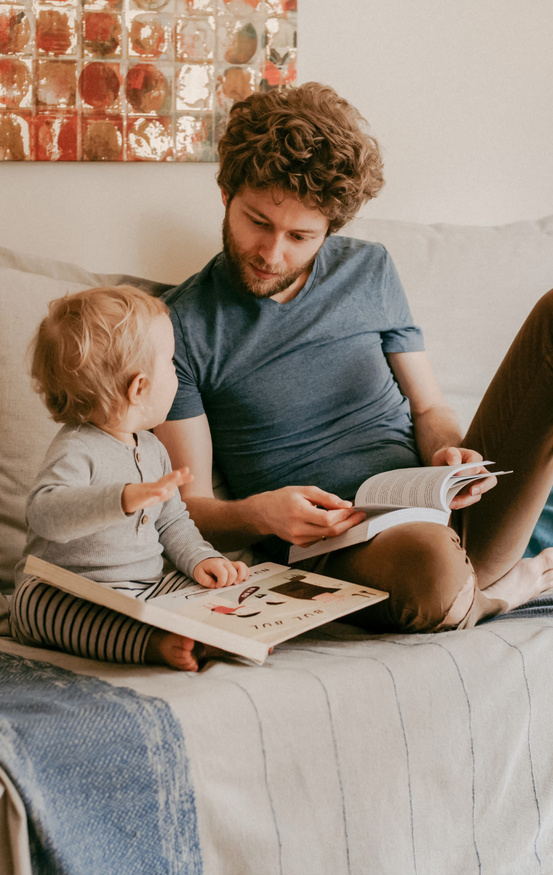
[[299, 393]]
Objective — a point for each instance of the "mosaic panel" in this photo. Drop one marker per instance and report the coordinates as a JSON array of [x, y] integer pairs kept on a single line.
[[134, 80]]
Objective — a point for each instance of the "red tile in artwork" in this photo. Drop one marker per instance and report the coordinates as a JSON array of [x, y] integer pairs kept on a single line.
[[134, 80], [56, 137]]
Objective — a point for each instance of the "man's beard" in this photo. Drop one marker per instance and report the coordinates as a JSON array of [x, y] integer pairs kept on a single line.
[[249, 284]]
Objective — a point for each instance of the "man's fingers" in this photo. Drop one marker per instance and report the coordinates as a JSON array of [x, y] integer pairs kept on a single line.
[[484, 485], [453, 456], [326, 500], [461, 501], [473, 493], [326, 519], [314, 533]]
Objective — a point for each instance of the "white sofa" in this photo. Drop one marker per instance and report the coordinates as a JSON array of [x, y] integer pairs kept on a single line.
[[344, 753]]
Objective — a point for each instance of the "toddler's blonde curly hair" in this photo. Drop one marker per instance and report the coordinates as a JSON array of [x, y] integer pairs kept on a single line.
[[88, 349]]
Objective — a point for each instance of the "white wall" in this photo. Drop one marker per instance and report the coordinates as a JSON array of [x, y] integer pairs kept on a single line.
[[460, 96]]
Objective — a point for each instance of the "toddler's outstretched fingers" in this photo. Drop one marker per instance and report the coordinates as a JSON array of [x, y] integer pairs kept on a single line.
[[183, 475]]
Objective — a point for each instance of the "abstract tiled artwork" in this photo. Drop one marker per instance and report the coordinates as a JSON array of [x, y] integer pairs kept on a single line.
[[134, 80]]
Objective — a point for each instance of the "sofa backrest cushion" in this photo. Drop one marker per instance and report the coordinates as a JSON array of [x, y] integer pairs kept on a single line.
[[469, 288], [27, 284]]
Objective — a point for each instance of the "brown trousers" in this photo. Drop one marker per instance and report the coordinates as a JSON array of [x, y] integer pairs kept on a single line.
[[425, 566]]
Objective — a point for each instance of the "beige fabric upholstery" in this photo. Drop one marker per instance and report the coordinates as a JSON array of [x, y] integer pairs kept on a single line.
[[469, 288], [27, 284]]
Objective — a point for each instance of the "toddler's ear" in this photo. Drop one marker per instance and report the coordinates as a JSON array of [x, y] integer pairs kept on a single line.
[[137, 388]]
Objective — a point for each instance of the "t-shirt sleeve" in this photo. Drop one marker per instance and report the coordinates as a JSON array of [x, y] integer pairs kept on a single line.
[[403, 335], [188, 400]]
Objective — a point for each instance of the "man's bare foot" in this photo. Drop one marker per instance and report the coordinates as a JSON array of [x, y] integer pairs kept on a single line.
[[526, 580], [168, 648]]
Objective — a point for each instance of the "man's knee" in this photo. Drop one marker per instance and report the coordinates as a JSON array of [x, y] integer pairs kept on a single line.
[[426, 572], [545, 303], [435, 574], [429, 550], [539, 323]]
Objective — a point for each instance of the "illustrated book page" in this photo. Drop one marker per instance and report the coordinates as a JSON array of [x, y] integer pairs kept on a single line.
[[276, 603]]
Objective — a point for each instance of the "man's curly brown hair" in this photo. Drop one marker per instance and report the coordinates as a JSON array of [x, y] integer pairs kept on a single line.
[[306, 141]]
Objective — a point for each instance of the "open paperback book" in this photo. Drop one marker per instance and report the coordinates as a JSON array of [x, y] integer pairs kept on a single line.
[[400, 496], [276, 603]]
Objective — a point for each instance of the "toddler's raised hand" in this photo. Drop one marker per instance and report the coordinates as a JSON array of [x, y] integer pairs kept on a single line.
[[218, 571], [137, 496]]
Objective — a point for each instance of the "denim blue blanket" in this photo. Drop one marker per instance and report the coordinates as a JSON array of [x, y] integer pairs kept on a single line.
[[102, 771]]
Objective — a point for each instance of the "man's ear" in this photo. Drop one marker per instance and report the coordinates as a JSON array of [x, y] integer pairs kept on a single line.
[[224, 197], [137, 388]]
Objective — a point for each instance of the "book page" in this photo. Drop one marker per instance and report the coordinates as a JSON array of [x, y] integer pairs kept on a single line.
[[420, 487], [406, 487], [273, 606]]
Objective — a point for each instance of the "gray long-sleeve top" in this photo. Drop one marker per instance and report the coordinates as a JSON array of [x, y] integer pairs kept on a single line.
[[76, 520]]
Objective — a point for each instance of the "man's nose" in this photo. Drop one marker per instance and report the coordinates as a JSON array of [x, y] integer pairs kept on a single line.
[[271, 249]]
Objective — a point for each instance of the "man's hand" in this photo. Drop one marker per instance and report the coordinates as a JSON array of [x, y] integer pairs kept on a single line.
[[459, 456], [299, 514], [218, 571], [304, 514], [137, 496]]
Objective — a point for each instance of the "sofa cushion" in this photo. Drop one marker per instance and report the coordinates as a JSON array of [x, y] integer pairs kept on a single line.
[[470, 289], [27, 284]]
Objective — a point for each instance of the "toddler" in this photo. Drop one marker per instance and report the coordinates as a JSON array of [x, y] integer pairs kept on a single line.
[[106, 503]]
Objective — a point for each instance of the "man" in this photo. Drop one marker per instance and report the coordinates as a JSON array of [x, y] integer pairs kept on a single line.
[[301, 373]]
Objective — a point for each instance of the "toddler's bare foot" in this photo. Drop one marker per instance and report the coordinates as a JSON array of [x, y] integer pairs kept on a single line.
[[526, 580], [168, 648]]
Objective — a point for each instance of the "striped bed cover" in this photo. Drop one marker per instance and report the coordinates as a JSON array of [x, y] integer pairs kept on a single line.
[[352, 755]]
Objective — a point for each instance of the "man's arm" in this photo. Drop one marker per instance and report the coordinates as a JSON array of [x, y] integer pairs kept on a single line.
[[299, 514], [437, 430]]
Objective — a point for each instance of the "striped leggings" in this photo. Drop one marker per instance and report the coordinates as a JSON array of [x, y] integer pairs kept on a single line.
[[42, 615]]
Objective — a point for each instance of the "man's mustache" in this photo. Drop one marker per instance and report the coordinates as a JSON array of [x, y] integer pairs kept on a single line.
[[266, 268]]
